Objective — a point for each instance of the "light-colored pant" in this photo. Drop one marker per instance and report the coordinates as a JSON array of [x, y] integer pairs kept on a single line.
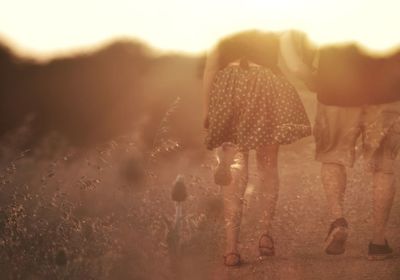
[[337, 130]]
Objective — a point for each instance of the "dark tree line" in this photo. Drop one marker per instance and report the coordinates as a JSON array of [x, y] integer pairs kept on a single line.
[[125, 86], [95, 96]]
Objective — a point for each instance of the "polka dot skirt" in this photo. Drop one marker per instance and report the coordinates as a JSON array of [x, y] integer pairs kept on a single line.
[[253, 108]]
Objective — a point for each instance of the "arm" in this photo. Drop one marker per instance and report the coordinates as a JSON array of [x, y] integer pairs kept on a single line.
[[210, 70], [311, 79], [293, 59]]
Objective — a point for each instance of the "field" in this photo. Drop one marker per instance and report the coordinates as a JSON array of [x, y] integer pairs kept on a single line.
[[106, 212]]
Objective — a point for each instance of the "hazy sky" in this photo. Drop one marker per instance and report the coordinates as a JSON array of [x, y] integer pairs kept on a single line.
[[47, 27]]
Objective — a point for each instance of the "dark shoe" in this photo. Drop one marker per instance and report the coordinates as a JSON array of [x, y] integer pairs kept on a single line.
[[336, 240], [232, 259], [266, 250], [379, 252]]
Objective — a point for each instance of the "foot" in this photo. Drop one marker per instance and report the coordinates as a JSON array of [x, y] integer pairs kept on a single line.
[[232, 259], [266, 245], [336, 240], [377, 252], [222, 175]]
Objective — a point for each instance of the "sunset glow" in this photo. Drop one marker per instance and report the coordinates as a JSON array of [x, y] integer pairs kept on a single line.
[[46, 27]]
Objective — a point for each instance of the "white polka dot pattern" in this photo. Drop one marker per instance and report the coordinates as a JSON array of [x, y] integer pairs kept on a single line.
[[253, 108]]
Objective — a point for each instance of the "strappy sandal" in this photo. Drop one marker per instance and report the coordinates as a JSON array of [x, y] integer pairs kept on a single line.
[[232, 259], [266, 250]]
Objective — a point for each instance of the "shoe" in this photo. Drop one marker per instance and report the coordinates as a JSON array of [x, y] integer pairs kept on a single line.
[[232, 259], [378, 252], [266, 250], [336, 240]]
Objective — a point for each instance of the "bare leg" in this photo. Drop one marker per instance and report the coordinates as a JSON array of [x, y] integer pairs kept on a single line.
[[233, 204], [267, 164], [334, 178], [383, 194], [334, 181]]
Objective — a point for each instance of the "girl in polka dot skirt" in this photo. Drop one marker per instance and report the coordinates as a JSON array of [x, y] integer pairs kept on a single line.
[[250, 105]]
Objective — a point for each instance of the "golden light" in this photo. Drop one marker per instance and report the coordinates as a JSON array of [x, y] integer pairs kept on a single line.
[[47, 27]]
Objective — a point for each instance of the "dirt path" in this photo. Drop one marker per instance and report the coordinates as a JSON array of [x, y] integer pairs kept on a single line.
[[300, 227]]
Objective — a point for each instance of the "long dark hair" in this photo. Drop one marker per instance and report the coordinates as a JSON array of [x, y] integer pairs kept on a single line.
[[253, 46]]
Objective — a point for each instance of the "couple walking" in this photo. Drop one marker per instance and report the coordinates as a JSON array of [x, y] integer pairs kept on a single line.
[[250, 105]]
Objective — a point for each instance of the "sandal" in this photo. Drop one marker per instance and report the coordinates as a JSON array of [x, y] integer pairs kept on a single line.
[[232, 259], [266, 250]]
